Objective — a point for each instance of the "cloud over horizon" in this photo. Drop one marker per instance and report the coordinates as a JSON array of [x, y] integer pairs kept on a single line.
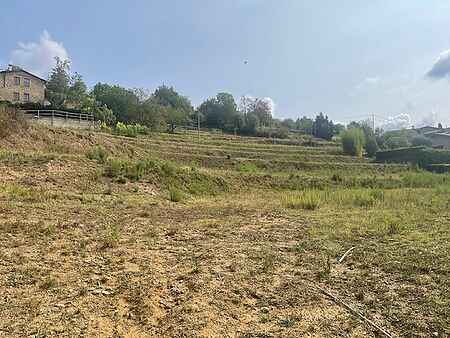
[[401, 121], [39, 57], [441, 67]]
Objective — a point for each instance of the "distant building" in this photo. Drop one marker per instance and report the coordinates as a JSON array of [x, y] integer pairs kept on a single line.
[[19, 86], [440, 139]]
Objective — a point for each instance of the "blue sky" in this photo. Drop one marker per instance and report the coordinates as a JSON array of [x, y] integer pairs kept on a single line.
[[347, 58]]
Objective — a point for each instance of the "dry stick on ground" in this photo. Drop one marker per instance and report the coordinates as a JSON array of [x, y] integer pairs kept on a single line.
[[349, 308], [345, 255]]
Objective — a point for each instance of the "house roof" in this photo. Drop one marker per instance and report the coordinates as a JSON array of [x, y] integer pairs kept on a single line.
[[439, 134], [14, 69]]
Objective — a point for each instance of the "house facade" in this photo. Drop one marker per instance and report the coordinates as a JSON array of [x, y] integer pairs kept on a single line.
[[19, 86]]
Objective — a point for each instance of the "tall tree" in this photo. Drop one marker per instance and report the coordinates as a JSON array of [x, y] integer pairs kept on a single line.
[[323, 127], [221, 112], [305, 125], [178, 108], [263, 110], [77, 92], [123, 102], [58, 83]]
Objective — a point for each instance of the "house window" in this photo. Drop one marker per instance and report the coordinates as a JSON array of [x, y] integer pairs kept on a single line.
[[26, 82], [16, 80], [26, 97], [16, 97]]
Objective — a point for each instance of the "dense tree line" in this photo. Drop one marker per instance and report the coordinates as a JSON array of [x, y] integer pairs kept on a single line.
[[165, 108]]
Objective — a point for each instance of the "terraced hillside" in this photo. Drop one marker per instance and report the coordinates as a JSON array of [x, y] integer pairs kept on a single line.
[[170, 235]]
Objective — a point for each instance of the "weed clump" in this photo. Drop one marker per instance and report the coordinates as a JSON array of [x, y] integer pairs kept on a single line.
[[111, 237], [307, 200], [130, 130], [98, 154], [247, 167], [10, 120], [175, 195]]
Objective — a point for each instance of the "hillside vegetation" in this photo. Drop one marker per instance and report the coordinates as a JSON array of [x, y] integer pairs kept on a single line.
[[171, 235]]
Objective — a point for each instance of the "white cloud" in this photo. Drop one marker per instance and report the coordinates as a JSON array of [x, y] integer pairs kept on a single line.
[[401, 121], [39, 57], [367, 83], [430, 120], [441, 67]]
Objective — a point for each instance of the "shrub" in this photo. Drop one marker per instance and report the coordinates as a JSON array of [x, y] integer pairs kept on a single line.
[[423, 157], [105, 128], [247, 167], [114, 168], [371, 146], [421, 141], [130, 130], [307, 200], [396, 142], [98, 154], [353, 141], [168, 169], [175, 195]]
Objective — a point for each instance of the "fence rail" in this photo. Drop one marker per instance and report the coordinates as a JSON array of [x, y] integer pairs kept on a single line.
[[38, 114]]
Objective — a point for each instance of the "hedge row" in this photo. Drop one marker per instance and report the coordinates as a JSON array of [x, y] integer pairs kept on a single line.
[[422, 156]]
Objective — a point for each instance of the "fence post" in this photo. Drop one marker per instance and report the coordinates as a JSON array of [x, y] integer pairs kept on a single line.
[[53, 117], [38, 114]]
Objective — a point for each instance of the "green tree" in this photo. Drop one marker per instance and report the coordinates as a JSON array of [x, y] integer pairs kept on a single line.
[[178, 108], [288, 123], [323, 127], [59, 83], [221, 112], [353, 141], [305, 125], [420, 140], [123, 102], [153, 115], [371, 144], [77, 92]]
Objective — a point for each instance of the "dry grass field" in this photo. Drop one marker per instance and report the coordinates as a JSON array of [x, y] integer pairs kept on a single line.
[[168, 236]]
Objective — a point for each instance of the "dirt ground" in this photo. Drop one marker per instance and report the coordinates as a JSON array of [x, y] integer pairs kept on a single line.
[[83, 255]]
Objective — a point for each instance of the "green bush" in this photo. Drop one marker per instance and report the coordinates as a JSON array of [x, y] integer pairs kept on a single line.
[[371, 146], [421, 141], [114, 168], [396, 142], [307, 200], [247, 167], [421, 156], [353, 141], [98, 154], [130, 130], [175, 195]]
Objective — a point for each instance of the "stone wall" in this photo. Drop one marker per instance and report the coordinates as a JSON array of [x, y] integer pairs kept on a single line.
[[64, 123]]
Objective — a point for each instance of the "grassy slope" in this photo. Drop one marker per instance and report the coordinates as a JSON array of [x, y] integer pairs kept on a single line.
[[85, 254]]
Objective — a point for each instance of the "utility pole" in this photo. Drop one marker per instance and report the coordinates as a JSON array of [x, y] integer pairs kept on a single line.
[[373, 122]]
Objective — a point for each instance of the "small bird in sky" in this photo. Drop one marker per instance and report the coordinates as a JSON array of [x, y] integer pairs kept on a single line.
[[245, 62]]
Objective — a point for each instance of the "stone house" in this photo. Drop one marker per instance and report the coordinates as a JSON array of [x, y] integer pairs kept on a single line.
[[19, 86]]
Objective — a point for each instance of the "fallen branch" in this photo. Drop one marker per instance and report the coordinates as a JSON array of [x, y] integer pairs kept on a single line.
[[353, 311], [345, 255]]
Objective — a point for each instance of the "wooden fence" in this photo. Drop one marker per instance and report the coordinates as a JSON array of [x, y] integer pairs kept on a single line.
[[61, 117]]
